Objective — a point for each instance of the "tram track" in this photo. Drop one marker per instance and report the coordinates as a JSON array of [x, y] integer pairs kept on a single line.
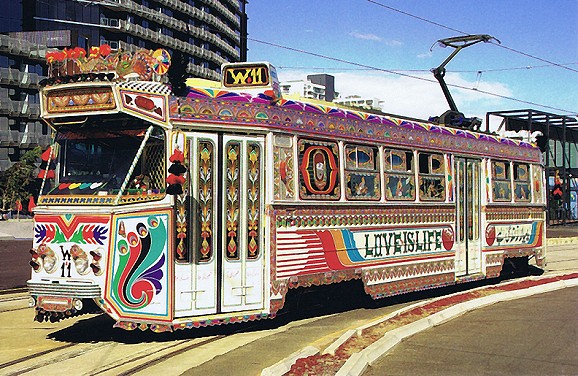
[[110, 357], [30, 358], [164, 353], [13, 301], [160, 357]]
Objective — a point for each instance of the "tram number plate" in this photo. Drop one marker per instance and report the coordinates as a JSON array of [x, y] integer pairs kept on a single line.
[[55, 303]]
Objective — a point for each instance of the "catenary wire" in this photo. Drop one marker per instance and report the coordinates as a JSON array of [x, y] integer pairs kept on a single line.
[[463, 32], [359, 65]]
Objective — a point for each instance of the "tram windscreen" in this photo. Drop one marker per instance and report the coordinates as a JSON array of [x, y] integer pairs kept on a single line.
[[95, 161]]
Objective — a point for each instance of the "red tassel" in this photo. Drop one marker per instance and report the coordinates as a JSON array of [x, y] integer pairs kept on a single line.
[[174, 179], [48, 174], [177, 156], [46, 155]]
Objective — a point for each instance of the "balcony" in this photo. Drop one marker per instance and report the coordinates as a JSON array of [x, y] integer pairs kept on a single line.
[[223, 10], [37, 52], [127, 46], [4, 156], [112, 43], [9, 76], [30, 110], [29, 80], [112, 23], [14, 138], [20, 109], [15, 108], [44, 140], [5, 135], [5, 106], [13, 46], [199, 71]]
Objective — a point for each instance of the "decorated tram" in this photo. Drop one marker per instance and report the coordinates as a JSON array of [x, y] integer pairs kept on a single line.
[[180, 212]]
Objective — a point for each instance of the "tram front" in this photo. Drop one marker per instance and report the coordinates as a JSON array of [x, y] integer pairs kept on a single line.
[[102, 224]]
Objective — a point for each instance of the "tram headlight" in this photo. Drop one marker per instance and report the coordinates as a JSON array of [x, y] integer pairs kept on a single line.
[[31, 302], [80, 258], [50, 263], [82, 266], [77, 304]]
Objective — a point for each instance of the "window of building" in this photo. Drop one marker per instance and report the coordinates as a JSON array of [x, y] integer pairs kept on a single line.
[[399, 175], [362, 173], [431, 178], [501, 184]]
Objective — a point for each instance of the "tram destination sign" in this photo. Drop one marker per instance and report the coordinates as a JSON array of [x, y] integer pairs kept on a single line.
[[246, 75]]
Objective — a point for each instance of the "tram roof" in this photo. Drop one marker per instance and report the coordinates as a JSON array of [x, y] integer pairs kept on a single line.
[[214, 106]]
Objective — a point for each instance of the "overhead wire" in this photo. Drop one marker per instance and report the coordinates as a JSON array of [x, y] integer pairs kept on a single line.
[[370, 67], [464, 33], [527, 67]]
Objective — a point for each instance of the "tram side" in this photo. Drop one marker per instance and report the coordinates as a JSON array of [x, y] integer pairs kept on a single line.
[[399, 218]]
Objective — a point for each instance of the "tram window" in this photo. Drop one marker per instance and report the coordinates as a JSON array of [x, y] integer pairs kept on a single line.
[[361, 173], [521, 182], [501, 184], [318, 170], [149, 172], [399, 175], [431, 177], [537, 183], [96, 160], [284, 160]]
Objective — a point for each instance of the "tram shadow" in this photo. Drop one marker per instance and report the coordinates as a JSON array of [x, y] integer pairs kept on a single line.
[[301, 304], [100, 328]]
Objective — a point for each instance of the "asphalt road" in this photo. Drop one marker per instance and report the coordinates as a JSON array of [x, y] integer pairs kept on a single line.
[[537, 335], [15, 268]]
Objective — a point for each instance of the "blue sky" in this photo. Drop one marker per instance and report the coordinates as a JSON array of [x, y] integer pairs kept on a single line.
[[373, 34]]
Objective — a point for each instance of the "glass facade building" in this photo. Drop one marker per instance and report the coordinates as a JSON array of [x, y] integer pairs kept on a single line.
[[199, 34]]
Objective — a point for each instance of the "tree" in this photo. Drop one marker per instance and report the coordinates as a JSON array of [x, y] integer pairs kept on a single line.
[[18, 182]]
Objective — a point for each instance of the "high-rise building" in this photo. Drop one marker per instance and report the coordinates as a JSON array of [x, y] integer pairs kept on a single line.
[[21, 68], [303, 89], [327, 81], [317, 86], [199, 34]]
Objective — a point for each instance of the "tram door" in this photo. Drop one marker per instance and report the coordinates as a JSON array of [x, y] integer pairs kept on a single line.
[[242, 273], [468, 212], [225, 268]]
